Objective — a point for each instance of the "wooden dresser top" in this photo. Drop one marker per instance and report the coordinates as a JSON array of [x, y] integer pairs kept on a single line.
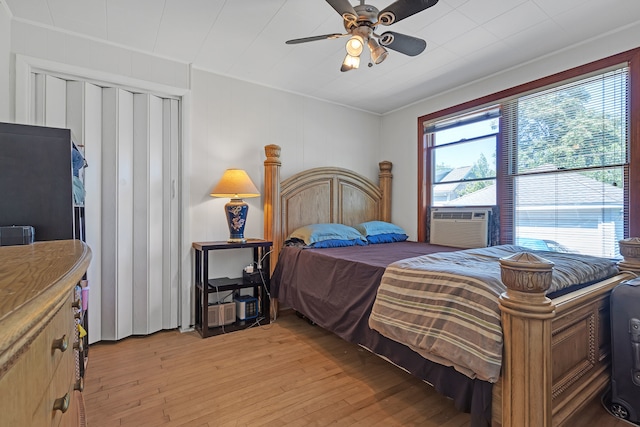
[[35, 279], [28, 270]]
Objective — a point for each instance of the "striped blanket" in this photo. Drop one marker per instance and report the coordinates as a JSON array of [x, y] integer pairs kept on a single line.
[[445, 306]]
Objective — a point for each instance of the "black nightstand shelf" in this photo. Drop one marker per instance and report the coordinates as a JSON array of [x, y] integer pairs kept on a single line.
[[260, 288]]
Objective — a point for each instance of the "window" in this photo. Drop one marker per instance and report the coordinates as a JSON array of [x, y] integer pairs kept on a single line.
[[563, 171], [463, 160], [566, 185]]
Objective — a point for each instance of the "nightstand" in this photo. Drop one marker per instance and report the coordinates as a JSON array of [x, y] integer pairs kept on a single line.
[[226, 318]]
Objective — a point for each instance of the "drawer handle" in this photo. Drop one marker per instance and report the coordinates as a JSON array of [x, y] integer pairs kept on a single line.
[[79, 385], [60, 344], [62, 403]]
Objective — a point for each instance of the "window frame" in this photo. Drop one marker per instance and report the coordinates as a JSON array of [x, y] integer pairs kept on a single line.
[[631, 58]]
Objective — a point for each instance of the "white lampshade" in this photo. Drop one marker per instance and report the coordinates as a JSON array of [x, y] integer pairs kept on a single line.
[[236, 184], [378, 53], [350, 62], [355, 45]]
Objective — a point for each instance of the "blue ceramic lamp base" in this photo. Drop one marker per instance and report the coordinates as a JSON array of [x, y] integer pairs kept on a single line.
[[236, 211]]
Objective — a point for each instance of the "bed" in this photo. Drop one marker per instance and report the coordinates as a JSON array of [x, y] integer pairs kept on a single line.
[[555, 353]]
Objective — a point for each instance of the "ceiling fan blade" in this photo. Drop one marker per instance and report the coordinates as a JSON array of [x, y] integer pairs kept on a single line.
[[343, 7], [315, 38], [401, 9], [402, 43]]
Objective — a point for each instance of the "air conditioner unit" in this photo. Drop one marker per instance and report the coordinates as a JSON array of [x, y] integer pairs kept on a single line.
[[460, 227]]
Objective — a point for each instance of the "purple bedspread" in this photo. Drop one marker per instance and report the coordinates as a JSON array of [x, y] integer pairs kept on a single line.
[[336, 288]]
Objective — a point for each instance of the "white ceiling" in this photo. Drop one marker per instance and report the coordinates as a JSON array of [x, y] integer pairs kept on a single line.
[[245, 39]]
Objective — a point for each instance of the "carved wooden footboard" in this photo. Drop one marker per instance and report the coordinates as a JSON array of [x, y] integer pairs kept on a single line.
[[556, 353]]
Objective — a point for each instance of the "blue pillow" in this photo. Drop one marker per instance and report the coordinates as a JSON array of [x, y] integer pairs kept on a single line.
[[336, 243], [372, 228], [387, 238], [314, 233], [381, 232]]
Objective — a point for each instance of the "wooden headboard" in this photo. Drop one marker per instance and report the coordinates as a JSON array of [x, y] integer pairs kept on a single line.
[[320, 195]]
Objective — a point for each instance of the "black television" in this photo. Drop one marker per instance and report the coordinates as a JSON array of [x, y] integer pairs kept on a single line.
[[36, 180]]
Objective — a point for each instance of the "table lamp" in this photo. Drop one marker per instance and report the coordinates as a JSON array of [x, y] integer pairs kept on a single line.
[[235, 184]]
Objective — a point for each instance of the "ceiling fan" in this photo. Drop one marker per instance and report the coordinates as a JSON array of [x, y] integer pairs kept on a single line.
[[361, 21]]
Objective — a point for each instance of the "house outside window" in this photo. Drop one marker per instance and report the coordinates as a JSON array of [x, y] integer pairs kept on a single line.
[[463, 154]]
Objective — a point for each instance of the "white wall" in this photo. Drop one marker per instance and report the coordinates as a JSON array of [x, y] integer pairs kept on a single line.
[[231, 122], [102, 62], [227, 124], [399, 129], [6, 92]]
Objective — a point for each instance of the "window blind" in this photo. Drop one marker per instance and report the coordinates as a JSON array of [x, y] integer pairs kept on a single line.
[[566, 161]]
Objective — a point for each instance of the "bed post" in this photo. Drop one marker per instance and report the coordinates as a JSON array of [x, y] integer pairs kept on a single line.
[[630, 251], [526, 322], [385, 178], [271, 204]]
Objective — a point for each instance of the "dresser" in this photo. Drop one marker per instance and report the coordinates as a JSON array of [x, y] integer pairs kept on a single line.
[[39, 345]]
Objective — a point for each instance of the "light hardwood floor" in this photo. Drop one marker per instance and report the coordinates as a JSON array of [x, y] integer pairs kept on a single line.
[[288, 373]]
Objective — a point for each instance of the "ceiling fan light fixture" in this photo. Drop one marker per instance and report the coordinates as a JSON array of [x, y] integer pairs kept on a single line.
[[350, 62], [360, 23], [378, 53], [354, 46]]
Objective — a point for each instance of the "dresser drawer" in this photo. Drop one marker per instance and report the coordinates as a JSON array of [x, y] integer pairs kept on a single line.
[[43, 363], [58, 394]]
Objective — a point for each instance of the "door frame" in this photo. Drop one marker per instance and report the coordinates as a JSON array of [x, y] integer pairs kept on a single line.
[[26, 65]]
